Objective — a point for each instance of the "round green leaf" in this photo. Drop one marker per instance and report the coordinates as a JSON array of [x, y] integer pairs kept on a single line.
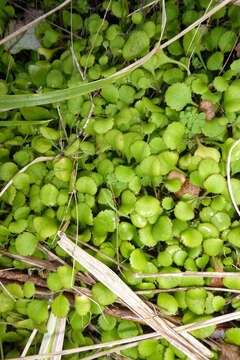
[[49, 194], [60, 306], [137, 43], [178, 96], [37, 310], [103, 295], [26, 244]]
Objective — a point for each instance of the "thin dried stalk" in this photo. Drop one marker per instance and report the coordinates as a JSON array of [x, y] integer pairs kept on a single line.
[[42, 264], [40, 18], [126, 314], [158, 47], [209, 288], [164, 21], [29, 342], [214, 321], [133, 341], [37, 160], [205, 274], [31, 16], [215, 274], [51, 255], [7, 292], [131, 300], [62, 122], [144, 7], [229, 176]]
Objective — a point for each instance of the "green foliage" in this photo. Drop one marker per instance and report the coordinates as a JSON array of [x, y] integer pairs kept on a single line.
[[178, 96], [134, 170], [66, 276], [26, 243], [192, 120], [103, 295], [136, 45], [60, 306], [37, 310], [82, 304]]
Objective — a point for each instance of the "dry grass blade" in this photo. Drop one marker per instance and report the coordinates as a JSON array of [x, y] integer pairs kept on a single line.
[[117, 286], [133, 341], [40, 18], [214, 321], [53, 339], [144, 7], [58, 339], [234, 2]]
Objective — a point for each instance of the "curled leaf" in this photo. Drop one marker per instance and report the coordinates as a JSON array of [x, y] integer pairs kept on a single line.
[[217, 282], [174, 174], [188, 188], [207, 107]]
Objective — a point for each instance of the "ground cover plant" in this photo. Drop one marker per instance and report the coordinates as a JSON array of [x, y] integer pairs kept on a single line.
[[119, 174]]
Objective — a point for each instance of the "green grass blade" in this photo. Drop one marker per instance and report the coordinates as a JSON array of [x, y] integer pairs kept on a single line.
[[23, 123], [8, 102]]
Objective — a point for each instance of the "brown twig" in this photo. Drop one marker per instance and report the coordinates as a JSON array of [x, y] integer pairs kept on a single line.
[[42, 264], [46, 265], [21, 277]]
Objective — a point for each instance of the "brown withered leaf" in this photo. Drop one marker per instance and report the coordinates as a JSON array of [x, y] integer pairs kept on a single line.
[[216, 282], [207, 107], [188, 188], [174, 174], [229, 352], [237, 48]]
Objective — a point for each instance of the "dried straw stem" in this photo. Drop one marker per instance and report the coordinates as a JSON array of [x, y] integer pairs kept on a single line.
[[132, 301], [130, 342]]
